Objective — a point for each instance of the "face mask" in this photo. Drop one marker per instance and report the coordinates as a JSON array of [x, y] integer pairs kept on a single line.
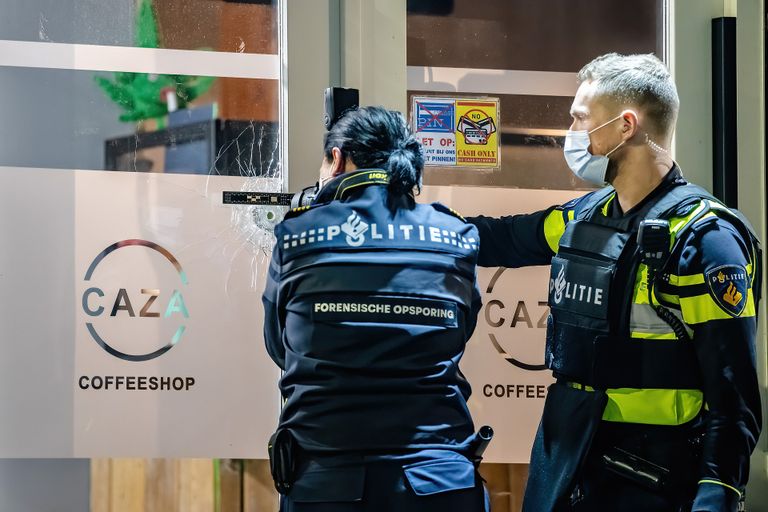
[[585, 165]]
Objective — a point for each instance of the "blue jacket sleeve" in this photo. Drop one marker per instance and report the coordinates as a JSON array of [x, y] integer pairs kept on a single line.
[[477, 303], [273, 324], [722, 315]]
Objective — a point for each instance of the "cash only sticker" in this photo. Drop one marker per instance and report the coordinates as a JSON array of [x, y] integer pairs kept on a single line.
[[457, 132]]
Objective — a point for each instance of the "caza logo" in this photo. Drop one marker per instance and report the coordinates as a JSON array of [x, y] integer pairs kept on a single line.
[[106, 304], [355, 230], [516, 327]]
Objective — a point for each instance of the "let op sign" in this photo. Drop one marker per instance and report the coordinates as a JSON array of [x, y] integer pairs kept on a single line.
[[458, 132]]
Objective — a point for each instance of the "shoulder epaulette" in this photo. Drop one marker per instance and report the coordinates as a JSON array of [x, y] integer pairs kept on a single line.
[[450, 211], [295, 212], [686, 208], [585, 207]]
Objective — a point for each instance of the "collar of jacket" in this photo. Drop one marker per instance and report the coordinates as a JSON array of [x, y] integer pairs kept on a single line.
[[342, 185]]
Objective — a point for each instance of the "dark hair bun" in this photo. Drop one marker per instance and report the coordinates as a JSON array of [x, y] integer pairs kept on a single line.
[[374, 137], [405, 165]]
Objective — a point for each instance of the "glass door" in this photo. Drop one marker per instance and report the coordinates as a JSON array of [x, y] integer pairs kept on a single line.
[[130, 292], [525, 56]]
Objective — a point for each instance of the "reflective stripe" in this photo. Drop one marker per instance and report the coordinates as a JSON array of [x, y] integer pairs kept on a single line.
[[718, 482], [677, 223], [653, 336], [686, 280], [703, 308], [650, 406], [608, 204], [653, 406], [665, 406], [640, 294], [554, 227], [643, 317], [669, 299], [644, 322], [580, 386]]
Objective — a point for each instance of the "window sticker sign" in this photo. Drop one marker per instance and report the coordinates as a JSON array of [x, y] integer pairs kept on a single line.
[[457, 132]]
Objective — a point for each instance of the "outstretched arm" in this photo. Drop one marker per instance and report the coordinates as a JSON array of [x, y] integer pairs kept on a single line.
[[519, 240]]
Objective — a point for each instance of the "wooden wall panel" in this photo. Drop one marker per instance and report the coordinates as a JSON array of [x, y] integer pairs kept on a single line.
[[231, 485], [518, 476], [196, 485], [127, 482], [100, 484], [162, 480], [187, 485], [497, 482], [152, 485], [259, 494]]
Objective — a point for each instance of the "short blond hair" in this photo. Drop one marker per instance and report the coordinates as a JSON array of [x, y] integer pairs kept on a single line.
[[639, 80]]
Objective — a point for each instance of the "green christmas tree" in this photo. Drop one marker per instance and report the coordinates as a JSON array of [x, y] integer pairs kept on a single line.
[[141, 95]]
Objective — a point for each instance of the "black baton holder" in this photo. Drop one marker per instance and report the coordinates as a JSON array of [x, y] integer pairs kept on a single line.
[[282, 450]]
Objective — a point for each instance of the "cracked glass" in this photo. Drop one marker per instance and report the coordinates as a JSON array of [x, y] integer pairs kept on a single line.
[[143, 122], [114, 145]]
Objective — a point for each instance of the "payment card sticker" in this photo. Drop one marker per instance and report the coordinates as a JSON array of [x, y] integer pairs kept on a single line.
[[435, 127], [457, 132]]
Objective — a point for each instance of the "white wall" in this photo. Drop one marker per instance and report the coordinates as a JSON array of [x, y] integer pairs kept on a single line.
[[691, 64], [751, 190]]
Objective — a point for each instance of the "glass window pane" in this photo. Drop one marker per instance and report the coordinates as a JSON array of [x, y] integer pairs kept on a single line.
[[545, 35], [548, 39], [532, 132], [120, 121], [244, 26]]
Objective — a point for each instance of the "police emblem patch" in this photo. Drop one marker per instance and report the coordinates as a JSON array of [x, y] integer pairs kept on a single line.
[[728, 285]]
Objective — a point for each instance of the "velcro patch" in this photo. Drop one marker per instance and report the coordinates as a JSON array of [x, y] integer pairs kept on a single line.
[[729, 286]]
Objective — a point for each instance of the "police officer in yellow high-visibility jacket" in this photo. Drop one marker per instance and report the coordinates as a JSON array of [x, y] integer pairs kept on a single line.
[[656, 405]]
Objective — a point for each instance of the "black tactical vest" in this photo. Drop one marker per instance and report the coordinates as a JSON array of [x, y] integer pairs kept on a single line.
[[591, 289]]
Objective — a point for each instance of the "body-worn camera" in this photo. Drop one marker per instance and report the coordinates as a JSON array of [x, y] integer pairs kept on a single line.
[[337, 101]]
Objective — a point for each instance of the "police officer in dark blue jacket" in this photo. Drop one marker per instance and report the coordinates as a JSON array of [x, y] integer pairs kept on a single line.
[[370, 301]]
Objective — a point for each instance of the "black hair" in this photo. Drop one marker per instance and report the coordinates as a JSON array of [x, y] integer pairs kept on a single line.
[[374, 137]]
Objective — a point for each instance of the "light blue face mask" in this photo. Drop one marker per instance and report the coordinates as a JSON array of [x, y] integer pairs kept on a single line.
[[585, 165]]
